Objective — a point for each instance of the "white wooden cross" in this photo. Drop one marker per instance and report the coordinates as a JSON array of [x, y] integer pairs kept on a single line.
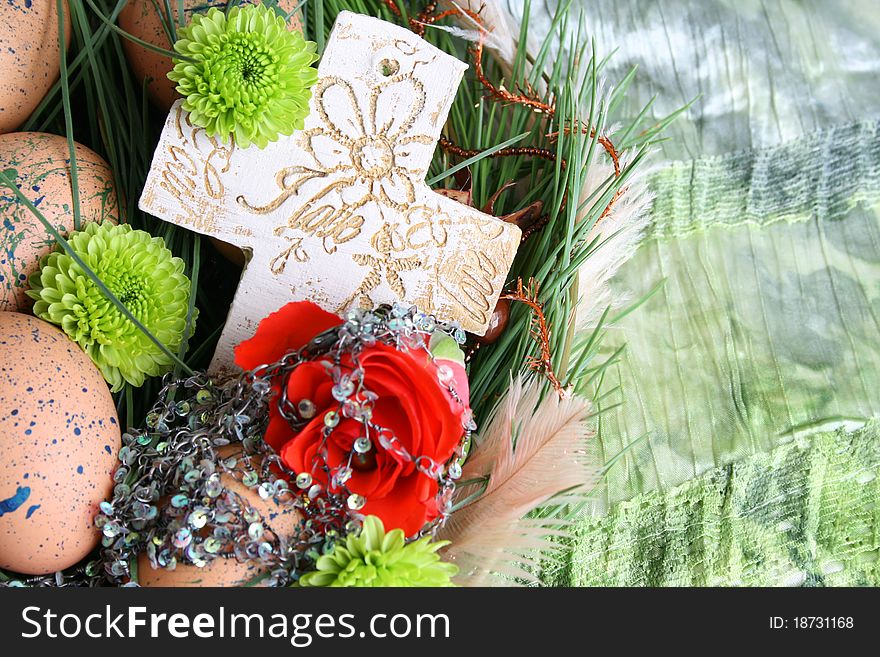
[[338, 213]]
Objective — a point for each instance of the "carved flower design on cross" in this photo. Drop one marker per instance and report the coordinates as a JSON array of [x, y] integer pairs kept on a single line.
[[384, 265], [377, 156]]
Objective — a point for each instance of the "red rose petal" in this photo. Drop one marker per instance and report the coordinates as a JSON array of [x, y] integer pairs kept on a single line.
[[435, 429], [290, 327], [279, 431], [311, 381], [412, 404], [371, 482], [343, 437], [405, 507], [392, 412], [390, 373], [298, 453], [378, 481]]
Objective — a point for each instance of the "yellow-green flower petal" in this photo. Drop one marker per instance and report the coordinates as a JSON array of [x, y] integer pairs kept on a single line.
[[374, 558], [142, 274], [251, 78]]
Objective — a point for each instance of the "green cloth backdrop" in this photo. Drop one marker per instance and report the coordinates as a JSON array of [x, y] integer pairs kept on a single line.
[[751, 379]]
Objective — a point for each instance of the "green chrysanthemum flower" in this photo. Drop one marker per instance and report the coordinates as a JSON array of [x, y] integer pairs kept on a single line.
[[142, 274], [374, 558], [251, 77]]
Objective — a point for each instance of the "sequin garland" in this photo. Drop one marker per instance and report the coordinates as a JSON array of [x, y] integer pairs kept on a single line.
[[170, 499]]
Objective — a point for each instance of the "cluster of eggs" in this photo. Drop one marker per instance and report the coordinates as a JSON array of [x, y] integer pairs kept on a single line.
[[59, 431], [60, 438]]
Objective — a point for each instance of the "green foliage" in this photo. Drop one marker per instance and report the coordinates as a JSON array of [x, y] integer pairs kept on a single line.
[[114, 117]]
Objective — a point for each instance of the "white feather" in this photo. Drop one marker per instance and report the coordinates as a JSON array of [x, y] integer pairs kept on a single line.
[[499, 25], [490, 537], [628, 218]]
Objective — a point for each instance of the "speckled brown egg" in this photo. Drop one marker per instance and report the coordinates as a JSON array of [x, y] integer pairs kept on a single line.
[[42, 163], [226, 572], [140, 18], [59, 436], [29, 58]]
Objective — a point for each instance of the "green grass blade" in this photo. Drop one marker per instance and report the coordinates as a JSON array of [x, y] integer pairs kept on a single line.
[[144, 44], [68, 116]]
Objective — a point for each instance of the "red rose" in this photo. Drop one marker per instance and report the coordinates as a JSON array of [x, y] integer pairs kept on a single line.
[[410, 403]]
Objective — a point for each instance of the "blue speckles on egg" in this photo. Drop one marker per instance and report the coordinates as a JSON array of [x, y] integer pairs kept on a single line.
[[12, 503], [56, 432], [28, 44], [41, 176]]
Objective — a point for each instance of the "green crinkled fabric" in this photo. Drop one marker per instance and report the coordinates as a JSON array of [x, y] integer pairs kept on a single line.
[[806, 513], [823, 175], [765, 229], [768, 321]]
